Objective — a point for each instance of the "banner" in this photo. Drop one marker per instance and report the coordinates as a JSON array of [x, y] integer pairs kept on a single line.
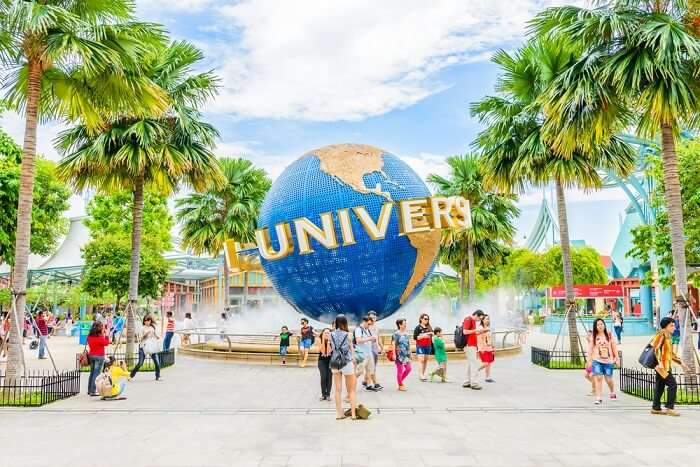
[[589, 291]]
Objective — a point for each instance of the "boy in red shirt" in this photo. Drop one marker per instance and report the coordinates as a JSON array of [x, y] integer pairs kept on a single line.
[[470, 328]]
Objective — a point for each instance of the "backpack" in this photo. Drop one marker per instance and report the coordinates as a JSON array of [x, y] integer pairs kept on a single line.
[[338, 357], [103, 382], [460, 338]]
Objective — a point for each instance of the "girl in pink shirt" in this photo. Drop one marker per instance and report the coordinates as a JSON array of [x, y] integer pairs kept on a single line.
[[602, 357]]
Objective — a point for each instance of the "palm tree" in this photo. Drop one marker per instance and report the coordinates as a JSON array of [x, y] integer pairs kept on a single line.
[[228, 213], [648, 52], [161, 151], [518, 154], [64, 60], [492, 215]]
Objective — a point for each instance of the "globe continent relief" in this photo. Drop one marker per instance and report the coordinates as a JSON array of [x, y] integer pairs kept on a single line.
[[379, 275]]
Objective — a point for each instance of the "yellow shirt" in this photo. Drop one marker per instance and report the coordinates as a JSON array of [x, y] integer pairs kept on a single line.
[[116, 372]]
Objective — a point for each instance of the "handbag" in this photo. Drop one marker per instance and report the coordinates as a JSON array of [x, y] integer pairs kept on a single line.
[[84, 358], [390, 355], [152, 346], [648, 357]]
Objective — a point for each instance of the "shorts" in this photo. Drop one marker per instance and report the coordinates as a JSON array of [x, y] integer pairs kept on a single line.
[[305, 344], [424, 349], [347, 370], [283, 350], [675, 340], [488, 356], [602, 369], [366, 366]]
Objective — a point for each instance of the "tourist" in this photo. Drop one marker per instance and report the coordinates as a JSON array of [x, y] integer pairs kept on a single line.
[[119, 374], [43, 332], [284, 343], [663, 348], [401, 347], [484, 346], [618, 323], [364, 340], [377, 347], [423, 335], [188, 325], [341, 343], [117, 328], [602, 356], [469, 327], [169, 330], [588, 370], [51, 323], [306, 341], [440, 356], [109, 323], [324, 364], [676, 336], [222, 325], [148, 344], [97, 340]]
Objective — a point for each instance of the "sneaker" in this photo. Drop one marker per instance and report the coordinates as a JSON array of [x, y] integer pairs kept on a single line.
[[672, 413], [476, 387], [364, 384], [613, 396], [160, 380], [657, 412], [598, 401], [490, 380], [378, 387], [592, 393], [467, 385], [371, 388], [424, 379]]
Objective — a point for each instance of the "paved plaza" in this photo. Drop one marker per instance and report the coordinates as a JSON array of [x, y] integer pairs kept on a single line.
[[209, 413]]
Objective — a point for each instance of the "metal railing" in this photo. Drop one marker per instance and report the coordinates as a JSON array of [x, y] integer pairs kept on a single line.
[[560, 359], [640, 382], [166, 358], [38, 388]]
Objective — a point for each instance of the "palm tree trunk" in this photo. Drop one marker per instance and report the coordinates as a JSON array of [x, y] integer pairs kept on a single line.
[[674, 208], [470, 265], [227, 285], [135, 265], [24, 220], [245, 290], [462, 269], [574, 343]]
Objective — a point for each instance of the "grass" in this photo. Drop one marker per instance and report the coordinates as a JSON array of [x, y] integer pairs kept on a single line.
[[27, 399], [682, 397]]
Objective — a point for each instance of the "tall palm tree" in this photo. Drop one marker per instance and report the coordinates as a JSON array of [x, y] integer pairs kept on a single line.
[[162, 151], [648, 52], [492, 215], [224, 213], [64, 60], [517, 153]]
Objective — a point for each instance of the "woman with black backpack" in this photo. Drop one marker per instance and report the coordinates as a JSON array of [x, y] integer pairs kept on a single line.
[[342, 366]]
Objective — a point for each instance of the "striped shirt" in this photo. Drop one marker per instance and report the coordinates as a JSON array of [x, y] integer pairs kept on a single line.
[[171, 325]]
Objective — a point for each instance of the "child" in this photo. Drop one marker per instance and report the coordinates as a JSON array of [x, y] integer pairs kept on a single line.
[[485, 348], [119, 374], [440, 356], [284, 343], [589, 368]]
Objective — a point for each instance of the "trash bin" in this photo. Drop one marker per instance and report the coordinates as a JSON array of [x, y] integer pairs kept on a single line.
[[84, 331]]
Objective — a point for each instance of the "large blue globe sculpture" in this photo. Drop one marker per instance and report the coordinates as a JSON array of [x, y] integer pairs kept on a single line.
[[378, 275]]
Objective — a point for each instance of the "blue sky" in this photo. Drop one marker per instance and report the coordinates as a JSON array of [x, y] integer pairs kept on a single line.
[[395, 74]]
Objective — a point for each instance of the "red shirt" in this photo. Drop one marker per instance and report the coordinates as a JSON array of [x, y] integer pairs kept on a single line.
[[468, 325], [97, 345], [41, 324], [171, 325]]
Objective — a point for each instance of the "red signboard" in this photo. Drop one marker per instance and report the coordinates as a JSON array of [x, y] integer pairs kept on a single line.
[[589, 291]]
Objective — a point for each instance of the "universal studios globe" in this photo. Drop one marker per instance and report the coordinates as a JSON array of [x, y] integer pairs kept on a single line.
[[342, 191]]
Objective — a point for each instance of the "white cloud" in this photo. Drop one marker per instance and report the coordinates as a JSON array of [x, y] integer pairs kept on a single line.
[[352, 59], [160, 6], [13, 124]]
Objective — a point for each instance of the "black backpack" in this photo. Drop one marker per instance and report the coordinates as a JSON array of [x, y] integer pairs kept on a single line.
[[338, 357], [460, 338]]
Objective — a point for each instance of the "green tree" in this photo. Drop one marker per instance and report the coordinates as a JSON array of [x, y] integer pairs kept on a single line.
[[492, 214], [50, 202], [586, 266], [525, 270], [224, 213], [161, 151], [66, 60], [518, 153], [647, 52], [656, 238]]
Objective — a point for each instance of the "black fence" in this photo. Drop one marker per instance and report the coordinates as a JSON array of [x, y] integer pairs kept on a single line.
[[166, 358], [639, 382], [35, 389], [560, 359]]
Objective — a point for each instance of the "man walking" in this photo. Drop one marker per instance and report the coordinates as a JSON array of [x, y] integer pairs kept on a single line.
[[43, 330], [469, 327], [377, 347], [363, 347]]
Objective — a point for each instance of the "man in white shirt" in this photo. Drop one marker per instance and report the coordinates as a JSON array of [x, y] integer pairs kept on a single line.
[[363, 346]]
